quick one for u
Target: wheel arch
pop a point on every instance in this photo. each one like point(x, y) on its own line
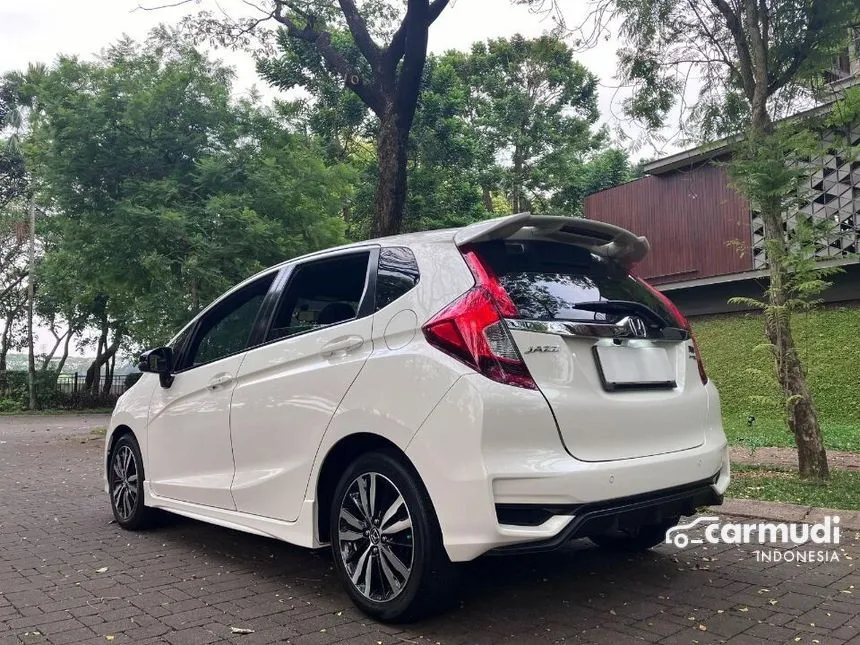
point(338, 458)
point(118, 432)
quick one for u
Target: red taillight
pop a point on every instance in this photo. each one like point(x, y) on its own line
point(472, 329)
point(485, 277)
point(682, 322)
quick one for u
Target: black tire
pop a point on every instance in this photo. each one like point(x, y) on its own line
point(125, 485)
point(392, 597)
point(641, 539)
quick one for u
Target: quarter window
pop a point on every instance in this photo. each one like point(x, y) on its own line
point(321, 293)
point(398, 274)
point(226, 329)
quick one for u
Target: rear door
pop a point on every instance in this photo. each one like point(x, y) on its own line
point(618, 372)
point(289, 388)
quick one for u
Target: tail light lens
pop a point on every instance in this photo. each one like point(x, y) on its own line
point(682, 322)
point(472, 329)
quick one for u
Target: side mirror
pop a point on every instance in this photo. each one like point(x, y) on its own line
point(158, 361)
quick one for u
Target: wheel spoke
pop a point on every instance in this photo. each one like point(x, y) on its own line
point(391, 512)
point(117, 468)
point(402, 525)
point(350, 536)
point(372, 495)
point(362, 561)
point(401, 568)
point(124, 503)
point(368, 575)
point(393, 582)
point(116, 493)
point(350, 519)
point(132, 479)
point(127, 457)
point(362, 493)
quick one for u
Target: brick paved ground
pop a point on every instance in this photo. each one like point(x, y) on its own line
point(189, 583)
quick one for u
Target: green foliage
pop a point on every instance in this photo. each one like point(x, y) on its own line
point(783, 485)
point(736, 361)
point(669, 42)
point(165, 191)
point(10, 406)
point(535, 106)
point(477, 111)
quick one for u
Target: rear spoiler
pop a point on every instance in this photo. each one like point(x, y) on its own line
point(601, 239)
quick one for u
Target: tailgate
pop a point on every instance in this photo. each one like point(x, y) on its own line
point(616, 365)
point(617, 401)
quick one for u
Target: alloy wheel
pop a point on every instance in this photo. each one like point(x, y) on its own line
point(125, 487)
point(375, 537)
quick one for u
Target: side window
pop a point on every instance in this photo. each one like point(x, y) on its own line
point(178, 344)
point(398, 273)
point(321, 293)
point(226, 329)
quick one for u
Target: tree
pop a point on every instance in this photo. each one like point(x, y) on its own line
point(535, 106)
point(451, 168)
point(385, 78)
point(755, 59)
point(13, 173)
point(162, 192)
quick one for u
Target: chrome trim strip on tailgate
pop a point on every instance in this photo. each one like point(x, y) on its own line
point(627, 327)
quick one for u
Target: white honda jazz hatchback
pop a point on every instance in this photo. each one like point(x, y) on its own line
point(422, 400)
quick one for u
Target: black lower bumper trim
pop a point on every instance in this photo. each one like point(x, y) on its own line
point(599, 518)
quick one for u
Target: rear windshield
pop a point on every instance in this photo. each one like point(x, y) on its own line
point(550, 280)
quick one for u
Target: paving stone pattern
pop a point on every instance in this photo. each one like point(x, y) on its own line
point(69, 575)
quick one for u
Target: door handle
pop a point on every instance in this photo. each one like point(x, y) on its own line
point(219, 381)
point(342, 345)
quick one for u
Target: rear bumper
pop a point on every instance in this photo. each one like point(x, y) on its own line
point(499, 477)
point(619, 514)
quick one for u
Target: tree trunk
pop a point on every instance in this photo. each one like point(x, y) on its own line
point(517, 190)
point(94, 370)
point(46, 362)
point(801, 415)
point(4, 350)
point(91, 382)
point(31, 295)
point(109, 366)
point(488, 198)
point(64, 357)
point(391, 187)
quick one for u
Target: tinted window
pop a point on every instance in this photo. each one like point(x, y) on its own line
point(398, 273)
point(321, 293)
point(178, 344)
point(549, 281)
point(226, 329)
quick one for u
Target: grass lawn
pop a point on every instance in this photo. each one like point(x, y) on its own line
point(781, 485)
point(742, 370)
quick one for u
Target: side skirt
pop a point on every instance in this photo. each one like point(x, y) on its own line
point(301, 532)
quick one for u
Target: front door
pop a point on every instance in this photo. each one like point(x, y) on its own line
point(289, 389)
point(190, 456)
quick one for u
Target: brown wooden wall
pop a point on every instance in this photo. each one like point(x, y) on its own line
point(688, 217)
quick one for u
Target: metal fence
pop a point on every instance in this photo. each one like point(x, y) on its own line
point(72, 383)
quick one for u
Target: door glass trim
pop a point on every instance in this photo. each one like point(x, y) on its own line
point(214, 308)
point(365, 305)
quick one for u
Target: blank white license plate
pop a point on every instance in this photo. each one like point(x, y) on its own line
point(624, 367)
